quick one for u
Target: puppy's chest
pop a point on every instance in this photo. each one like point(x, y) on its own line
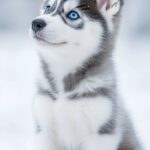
point(73, 120)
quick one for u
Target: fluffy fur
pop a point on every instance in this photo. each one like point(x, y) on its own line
point(77, 106)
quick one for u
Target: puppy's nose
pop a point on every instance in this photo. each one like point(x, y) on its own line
point(38, 24)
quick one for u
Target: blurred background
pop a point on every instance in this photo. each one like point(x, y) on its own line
point(18, 63)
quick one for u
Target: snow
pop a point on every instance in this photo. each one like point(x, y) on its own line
point(17, 69)
point(132, 63)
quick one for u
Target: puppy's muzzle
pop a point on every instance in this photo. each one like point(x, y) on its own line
point(38, 25)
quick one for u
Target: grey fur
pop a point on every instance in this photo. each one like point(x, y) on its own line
point(98, 64)
point(129, 139)
point(46, 92)
point(97, 92)
point(72, 80)
point(48, 76)
point(90, 67)
point(108, 128)
point(49, 9)
point(38, 129)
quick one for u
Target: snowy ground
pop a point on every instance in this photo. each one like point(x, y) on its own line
point(132, 63)
point(17, 68)
point(17, 80)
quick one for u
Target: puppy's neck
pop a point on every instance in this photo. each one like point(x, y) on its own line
point(69, 70)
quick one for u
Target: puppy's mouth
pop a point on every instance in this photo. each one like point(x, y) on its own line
point(45, 41)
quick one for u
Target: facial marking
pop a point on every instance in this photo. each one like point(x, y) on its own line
point(59, 20)
point(51, 6)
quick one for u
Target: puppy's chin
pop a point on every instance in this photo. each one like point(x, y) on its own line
point(42, 41)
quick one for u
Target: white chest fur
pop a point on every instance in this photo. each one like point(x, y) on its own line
point(70, 122)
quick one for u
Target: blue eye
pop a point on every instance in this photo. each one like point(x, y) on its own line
point(73, 15)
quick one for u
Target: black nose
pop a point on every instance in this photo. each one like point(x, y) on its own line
point(38, 24)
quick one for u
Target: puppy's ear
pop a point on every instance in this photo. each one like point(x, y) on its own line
point(109, 6)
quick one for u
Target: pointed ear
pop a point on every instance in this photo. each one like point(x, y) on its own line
point(110, 6)
point(101, 3)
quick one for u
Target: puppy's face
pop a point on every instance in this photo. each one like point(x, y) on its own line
point(82, 23)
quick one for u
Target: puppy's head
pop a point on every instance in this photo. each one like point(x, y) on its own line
point(82, 23)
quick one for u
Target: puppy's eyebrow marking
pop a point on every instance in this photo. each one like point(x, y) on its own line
point(52, 6)
point(49, 8)
point(56, 5)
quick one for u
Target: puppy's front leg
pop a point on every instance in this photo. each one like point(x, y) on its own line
point(43, 141)
point(45, 135)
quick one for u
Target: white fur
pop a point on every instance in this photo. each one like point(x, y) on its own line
point(65, 59)
point(67, 124)
point(68, 6)
point(74, 124)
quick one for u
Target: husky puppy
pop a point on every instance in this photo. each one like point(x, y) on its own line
point(77, 106)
